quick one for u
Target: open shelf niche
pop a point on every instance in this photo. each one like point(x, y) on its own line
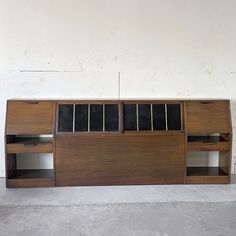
point(208, 156)
point(30, 160)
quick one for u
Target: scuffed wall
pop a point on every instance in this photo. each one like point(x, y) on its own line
point(76, 48)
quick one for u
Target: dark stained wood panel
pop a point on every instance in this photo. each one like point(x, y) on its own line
point(120, 159)
point(208, 117)
point(30, 117)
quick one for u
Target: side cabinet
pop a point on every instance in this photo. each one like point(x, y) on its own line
point(120, 159)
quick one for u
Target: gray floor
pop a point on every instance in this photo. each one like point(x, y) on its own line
point(163, 210)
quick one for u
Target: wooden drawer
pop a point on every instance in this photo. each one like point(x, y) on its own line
point(30, 148)
point(30, 117)
point(208, 116)
point(119, 159)
point(208, 146)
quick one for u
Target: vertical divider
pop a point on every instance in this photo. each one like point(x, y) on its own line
point(166, 117)
point(137, 117)
point(151, 118)
point(103, 117)
point(181, 116)
point(88, 117)
point(73, 118)
point(121, 117)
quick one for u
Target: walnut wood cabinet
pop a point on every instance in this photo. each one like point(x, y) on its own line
point(118, 142)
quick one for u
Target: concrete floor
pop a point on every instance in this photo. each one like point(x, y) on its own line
point(161, 210)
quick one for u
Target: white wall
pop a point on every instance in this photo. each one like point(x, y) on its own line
point(75, 49)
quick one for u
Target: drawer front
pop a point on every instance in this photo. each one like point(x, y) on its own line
point(208, 117)
point(119, 160)
point(30, 117)
point(30, 148)
point(208, 146)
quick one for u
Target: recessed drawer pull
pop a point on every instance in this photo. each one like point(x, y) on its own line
point(32, 102)
point(207, 102)
point(31, 144)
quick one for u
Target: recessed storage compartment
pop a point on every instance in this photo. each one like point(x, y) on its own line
point(111, 117)
point(130, 117)
point(159, 116)
point(96, 117)
point(30, 170)
point(152, 117)
point(144, 117)
point(205, 167)
point(173, 117)
point(66, 116)
point(81, 117)
point(88, 117)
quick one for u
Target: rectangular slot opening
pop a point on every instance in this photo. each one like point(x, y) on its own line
point(29, 139)
point(66, 113)
point(96, 117)
point(111, 117)
point(144, 116)
point(30, 166)
point(130, 117)
point(81, 117)
point(159, 117)
point(211, 163)
point(173, 117)
point(208, 137)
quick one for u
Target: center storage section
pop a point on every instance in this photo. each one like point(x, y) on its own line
point(119, 142)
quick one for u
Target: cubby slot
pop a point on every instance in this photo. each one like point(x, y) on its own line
point(111, 117)
point(173, 117)
point(206, 138)
point(81, 117)
point(207, 163)
point(33, 174)
point(130, 117)
point(144, 117)
point(32, 139)
point(88, 118)
point(96, 117)
point(30, 170)
point(159, 116)
point(66, 113)
point(205, 171)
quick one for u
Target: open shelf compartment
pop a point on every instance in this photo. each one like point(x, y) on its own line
point(28, 170)
point(208, 167)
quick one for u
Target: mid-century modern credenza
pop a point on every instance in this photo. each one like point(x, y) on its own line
point(117, 142)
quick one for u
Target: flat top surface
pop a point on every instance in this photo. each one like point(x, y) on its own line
point(121, 99)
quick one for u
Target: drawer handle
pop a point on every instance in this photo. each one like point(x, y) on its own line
point(32, 102)
point(207, 102)
point(30, 144)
